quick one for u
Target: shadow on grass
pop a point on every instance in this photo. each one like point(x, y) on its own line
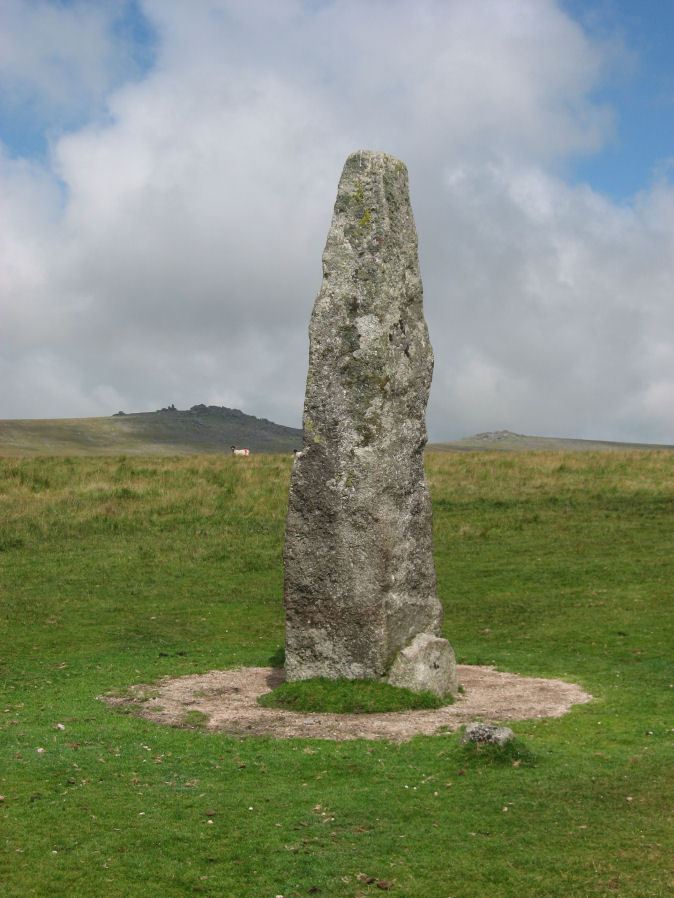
point(278, 658)
point(485, 754)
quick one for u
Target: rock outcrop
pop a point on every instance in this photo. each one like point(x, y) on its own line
point(359, 574)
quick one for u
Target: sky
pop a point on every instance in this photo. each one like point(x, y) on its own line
point(168, 171)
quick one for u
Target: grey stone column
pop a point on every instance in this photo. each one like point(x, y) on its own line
point(360, 593)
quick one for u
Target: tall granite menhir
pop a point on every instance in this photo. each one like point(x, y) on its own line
point(360, 593)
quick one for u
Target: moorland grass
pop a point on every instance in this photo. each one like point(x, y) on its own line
point(348, 697)
point(115, 572)
point(512, 753)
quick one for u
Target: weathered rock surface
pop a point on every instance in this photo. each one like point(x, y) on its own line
point(359, 575)
point(427, 664)
point(487, 733)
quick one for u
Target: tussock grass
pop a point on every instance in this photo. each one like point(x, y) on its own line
point(118, 571)
point(348, 697)
point(485, 754)
point(195, 719)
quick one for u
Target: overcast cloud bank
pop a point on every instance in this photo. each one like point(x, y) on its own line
point(168, 250)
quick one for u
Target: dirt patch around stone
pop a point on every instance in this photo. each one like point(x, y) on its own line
point(226, 701)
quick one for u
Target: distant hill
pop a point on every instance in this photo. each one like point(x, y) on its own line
point(506, 441)
point(212, 428)
point(168, 431)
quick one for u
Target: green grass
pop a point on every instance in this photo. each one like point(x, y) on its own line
point(116, 572)
point(195, 719)
point(348, 697)
point(514, 753)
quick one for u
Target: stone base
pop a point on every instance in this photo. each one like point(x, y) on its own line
point(427, 664)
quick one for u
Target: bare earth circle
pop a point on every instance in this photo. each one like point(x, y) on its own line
point(226, 700)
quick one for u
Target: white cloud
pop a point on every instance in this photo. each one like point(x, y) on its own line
point(177, 256)
point(566, 308)
point(58, 61)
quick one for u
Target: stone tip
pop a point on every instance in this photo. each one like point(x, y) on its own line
point(374, 156)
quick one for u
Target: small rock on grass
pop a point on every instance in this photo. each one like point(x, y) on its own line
point(487, 733)
point(384, 884)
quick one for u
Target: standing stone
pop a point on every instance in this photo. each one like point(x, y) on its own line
point(359, 574)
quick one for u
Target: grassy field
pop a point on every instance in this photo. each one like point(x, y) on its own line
point(116, 571)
